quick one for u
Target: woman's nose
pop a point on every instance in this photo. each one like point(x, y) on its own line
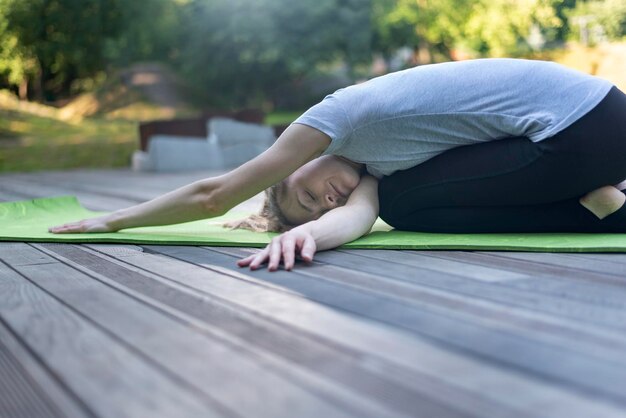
point(330, 200)
point(333, 201)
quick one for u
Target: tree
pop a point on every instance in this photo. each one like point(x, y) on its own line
point(429, 27)
point(16, 64)
point(436, 27)
point(501, 27)
point(53, 43)
point(63, 39)
point(151, 32)
point(599, 19)
point(241, 51)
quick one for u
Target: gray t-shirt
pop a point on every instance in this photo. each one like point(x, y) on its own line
point(402, 119)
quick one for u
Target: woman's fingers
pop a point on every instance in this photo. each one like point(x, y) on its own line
point(67, 228)
point(308, 249)
point(288, 252)
point(246, 261)
point(85, 225)
point(272, 254)
point(259, 258)
point(283, 248)
point(275, 254)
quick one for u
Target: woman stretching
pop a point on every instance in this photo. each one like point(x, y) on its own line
point(489, 145)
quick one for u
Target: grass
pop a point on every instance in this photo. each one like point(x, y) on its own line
point(29, 142)
point(282, 117)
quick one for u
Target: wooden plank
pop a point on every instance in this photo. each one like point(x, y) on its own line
point(500, 259)
point(89, 200)
point(155, 183)
point(125, 185)
point(26, 389)
point(524, 320)
point(148, 181)
point(510, 293)
point(270, 337)
point(380, 347)
point(579, 262)
point(18, 396)
point(6, 196)
point(14, 251)
point(484, 339)
point(96, 194)
point(222, 370)
point(605, 295)
point(121, 190)
point(590, 288)
point(548, 329)
point(88, 360)
point(340, 365)
point(425, 262)
point(607, 257)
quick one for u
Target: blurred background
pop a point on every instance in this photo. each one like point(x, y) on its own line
point(78, 76)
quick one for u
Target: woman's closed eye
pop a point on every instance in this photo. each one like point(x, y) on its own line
point(314, 200)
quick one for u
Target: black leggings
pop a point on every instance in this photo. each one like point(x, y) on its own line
point(514, 184)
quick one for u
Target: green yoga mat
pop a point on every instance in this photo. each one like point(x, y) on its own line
point(29, 220)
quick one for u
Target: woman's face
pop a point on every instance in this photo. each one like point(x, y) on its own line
point(317, 187)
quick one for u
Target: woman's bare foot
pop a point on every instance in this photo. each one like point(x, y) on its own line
point(603, 201)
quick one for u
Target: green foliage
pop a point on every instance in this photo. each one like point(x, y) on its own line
point(239, 51)
point(436, 24)
point(230, 51)
point(54, 43)
point(29, 142)
point(15, 61)
point(605, 18)
point(246, 52)
point(151, 32)
point(501, 27)
point(485, 27)
point(61, 40)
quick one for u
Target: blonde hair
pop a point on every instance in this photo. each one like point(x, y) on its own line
point(269, 219)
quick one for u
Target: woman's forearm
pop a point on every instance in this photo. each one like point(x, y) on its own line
point(349, 222)
point(342, 225)
point(185, 204)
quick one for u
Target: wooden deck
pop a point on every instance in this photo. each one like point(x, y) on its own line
point(168, 331)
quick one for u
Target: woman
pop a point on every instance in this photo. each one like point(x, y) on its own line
point(490, 145)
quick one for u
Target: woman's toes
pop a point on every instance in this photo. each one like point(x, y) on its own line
point(603, 201)
point(621, 186)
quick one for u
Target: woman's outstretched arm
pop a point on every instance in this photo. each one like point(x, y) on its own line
point(216, 195)
point(337, 227)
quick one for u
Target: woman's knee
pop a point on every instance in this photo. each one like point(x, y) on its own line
point(422, 220)
point(387, 198)
point(403, 212)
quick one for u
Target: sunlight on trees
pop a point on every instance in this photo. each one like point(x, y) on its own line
point(501, 27)
point(242, 52)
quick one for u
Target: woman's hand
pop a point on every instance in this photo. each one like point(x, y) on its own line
point(99, 224)
point(334, 228)
point(286, 246)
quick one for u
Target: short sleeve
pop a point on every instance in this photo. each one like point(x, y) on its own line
point(330, 117)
